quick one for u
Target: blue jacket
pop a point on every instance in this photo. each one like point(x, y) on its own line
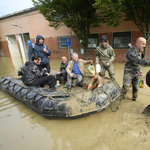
point(38, 50)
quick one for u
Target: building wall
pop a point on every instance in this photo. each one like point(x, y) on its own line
point(35, 24)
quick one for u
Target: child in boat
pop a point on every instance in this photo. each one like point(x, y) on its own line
point(96, 81)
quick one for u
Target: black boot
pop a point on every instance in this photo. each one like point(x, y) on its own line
point(69, 89)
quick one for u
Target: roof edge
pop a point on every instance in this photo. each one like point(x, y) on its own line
point(18, 13)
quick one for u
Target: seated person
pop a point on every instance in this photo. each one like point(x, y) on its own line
point(32, 76)
point(75, 69)
point(62, 72)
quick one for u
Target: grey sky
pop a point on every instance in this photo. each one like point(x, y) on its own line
point(11, 6)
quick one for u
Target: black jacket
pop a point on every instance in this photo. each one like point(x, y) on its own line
point(63, 67)
point(148, 78)
point(31, 73)
point(134, 60)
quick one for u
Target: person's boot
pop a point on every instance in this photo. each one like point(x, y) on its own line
point(134, 97)
point(69, 89)
point(123, 93)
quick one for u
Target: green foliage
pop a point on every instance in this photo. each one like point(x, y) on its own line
point(80, 15)
point(137, 11)
point(110, 10)
point(132, 10)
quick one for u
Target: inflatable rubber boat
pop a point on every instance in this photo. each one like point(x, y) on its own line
point(78, 102)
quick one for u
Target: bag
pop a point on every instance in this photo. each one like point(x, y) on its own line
point(148, 78)
point(91, 70)
point(141, 81)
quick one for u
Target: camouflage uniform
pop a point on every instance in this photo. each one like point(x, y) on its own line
point(133, 60)
point(105, 55)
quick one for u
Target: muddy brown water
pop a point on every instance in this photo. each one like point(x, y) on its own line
point(21, 128)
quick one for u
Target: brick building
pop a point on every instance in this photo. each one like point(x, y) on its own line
point(33, 23)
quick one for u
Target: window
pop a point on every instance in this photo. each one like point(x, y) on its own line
point(93, 41)
point(121, 40)
point(62, 42)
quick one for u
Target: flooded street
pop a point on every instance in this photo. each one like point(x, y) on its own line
point(21, 128)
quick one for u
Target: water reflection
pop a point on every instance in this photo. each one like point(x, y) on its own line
point(22, 128)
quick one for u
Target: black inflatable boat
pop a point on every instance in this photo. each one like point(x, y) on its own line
point(60, 103)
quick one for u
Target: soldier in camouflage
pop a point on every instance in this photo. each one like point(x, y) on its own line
point(105, 55)
point(133, 61)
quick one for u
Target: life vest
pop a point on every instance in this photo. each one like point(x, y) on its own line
point(95, 82)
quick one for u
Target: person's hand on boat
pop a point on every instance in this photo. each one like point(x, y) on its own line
point(58, 72)
point(47, 73)
point(71, 74)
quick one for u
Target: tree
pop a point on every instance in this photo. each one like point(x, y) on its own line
point(79, 15)
point(133, 10)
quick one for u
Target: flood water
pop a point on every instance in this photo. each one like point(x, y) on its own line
point(21, 128)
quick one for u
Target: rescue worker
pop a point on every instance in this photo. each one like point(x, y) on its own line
point(105, 55)
point(133, 60)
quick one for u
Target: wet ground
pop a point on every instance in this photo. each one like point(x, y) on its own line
point(21, 128)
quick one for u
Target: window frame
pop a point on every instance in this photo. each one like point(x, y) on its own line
point(121, 34)
point(62, 42)
point(94, 36)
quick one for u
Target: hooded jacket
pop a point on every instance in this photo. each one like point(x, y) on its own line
point(31, 73)
point(38, 50)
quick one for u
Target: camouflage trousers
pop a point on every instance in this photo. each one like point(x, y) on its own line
point(128, 79)
point(110, 69)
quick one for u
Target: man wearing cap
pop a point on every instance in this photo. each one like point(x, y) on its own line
point(105, 55)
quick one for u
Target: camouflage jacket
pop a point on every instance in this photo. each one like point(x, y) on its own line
point(105, 54)
point(31, 73)
point(134, 60)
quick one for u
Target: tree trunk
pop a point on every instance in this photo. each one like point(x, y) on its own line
point(85, 53)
